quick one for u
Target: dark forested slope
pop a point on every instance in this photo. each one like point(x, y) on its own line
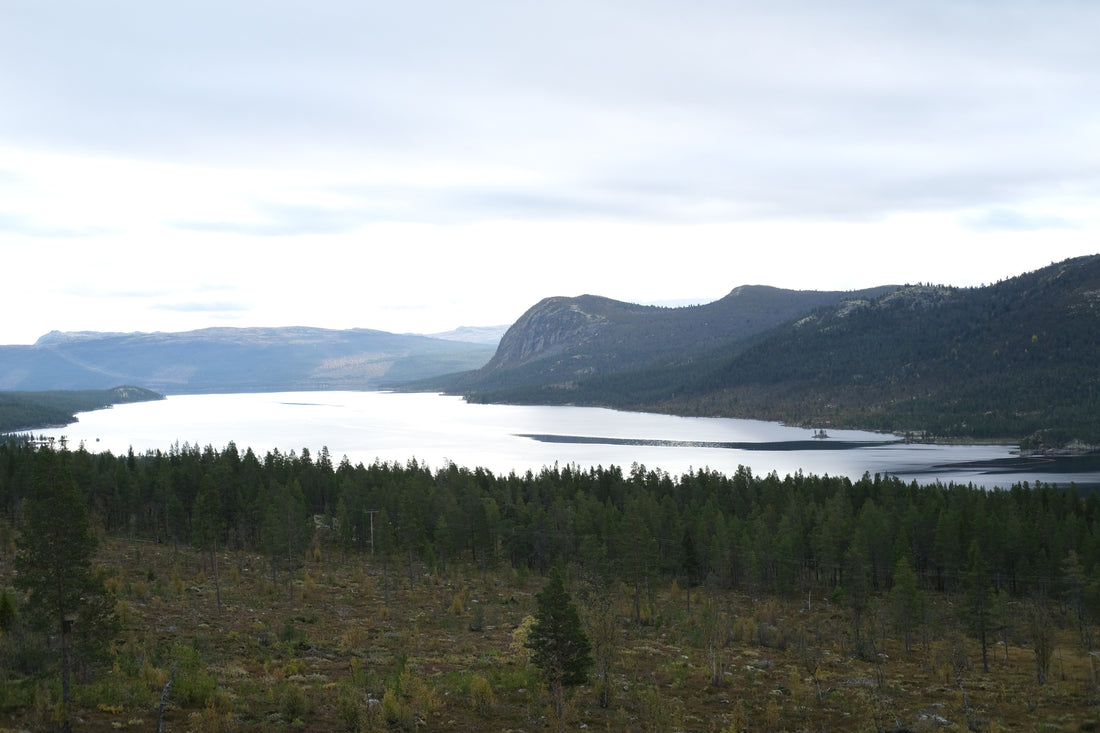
point(1009, 360)
point(1013, 359)
point(26, 410)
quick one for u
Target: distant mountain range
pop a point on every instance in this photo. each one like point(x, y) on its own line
point(489, 335)
point(236, 360)
point(1016, 360)
point(1019, 359)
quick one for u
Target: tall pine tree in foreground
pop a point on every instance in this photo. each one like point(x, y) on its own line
point(559, 647)
point(53, 567)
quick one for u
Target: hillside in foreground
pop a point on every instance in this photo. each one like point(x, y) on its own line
point(258, 593)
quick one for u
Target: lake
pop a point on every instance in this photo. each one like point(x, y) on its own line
point(436, 429)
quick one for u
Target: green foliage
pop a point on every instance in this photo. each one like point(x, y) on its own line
point(193, 685)
point(558, 644)
point(293, 703)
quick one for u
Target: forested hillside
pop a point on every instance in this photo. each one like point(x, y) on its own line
point(1014, 360)
point(25, 410)
point(562, 342)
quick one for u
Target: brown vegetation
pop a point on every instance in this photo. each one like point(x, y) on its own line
point(365, 647)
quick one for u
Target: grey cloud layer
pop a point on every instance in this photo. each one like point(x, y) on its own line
point(629, 110)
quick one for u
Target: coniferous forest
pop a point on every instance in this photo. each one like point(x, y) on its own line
point(322, 595)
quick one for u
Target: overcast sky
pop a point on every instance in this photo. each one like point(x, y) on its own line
point(416, 166)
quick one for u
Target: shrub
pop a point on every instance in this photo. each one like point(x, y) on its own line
point(519, 638)
point(458, 604)
point(477, 621)
point(292, 702)
point(349, 710)
point(193, 685)
point(481, 695)
point(395, 711)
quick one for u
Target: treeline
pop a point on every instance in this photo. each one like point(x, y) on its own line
point(794, 535)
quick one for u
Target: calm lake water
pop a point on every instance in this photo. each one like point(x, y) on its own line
point(436, 429)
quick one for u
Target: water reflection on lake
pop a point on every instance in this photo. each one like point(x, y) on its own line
point(435, 429)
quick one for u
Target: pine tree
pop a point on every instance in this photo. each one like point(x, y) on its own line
point(208, 525)
point(906, 600)
point(978, 603)
point(53, 566)
point(558, 644)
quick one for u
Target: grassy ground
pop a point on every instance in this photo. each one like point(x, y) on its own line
point(370, 646)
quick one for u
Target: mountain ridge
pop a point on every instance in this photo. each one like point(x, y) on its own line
point(550, 342)
point(1013, 360)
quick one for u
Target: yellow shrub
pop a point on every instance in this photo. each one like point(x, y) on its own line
point(177, 585)
point(153, 677)
point(771, 715)
point(396, 712)
point(481, 695)
point(458, 604)
point(519, 638)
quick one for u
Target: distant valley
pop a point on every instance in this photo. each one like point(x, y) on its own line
point(238, 359)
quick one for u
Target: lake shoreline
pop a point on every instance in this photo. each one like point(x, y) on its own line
point(435, 429)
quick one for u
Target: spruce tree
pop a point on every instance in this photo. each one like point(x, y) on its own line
point(558, 644)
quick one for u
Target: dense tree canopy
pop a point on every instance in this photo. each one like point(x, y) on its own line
point(785, 534)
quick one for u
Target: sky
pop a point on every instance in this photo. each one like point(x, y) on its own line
point(422, 165)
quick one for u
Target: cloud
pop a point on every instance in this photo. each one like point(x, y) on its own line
point(197, 307)
point(793, 109)
point(84, 290)
point(282, 220)
point(27, 226)
point(1017, 221)
point(156, 147)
